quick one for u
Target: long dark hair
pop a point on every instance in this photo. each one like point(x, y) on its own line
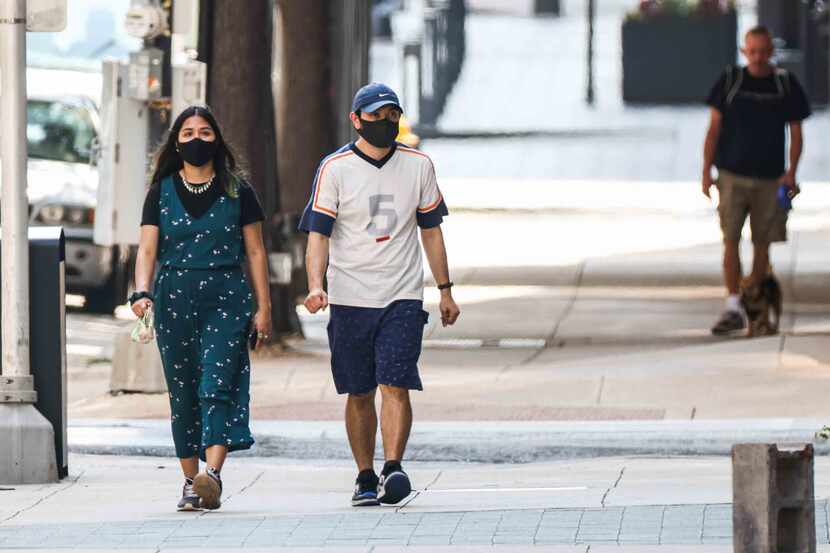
point(167, 160)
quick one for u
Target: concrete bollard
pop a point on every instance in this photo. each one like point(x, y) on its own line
point(773, 499)
point(136, 367)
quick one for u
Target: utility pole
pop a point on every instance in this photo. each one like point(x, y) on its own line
point(589, 95)
point(27, 448)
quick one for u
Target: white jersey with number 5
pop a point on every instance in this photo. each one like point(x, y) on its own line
point(371, 210)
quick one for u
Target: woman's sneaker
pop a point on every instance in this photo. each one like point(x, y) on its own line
point(394, 485)
point(366, 489)
point(189, 500)
point(208, 486)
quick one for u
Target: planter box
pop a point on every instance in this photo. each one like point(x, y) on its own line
point(676, 59)
point(546, 7)
point(783, 19)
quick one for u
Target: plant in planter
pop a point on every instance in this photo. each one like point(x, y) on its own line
point(681, 8)
point(673, 50)
point(715, 7)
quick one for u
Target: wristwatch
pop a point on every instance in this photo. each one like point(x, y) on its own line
point(135, 296)
point(445, 286)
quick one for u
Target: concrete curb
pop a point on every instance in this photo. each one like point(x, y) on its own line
point(484, 442)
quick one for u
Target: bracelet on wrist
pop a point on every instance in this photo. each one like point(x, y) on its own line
point(445, 286)
point(135, 296)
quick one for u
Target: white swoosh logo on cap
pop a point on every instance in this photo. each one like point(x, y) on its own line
point(382, 95)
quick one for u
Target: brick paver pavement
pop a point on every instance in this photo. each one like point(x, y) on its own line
point(645, 525)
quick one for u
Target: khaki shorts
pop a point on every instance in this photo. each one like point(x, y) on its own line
point(741, 196)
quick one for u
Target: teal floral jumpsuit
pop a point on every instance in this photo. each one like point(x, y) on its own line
point(203, 306)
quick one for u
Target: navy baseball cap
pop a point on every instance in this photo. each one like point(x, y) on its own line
point(374, 96)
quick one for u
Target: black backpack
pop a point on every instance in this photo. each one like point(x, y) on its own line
point(735, 77)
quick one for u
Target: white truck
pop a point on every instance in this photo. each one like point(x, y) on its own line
point(62, 131)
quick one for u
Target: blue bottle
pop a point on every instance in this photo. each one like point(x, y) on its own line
point(784, 199)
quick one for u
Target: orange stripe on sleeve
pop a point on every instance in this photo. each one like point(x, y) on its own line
point(440, 196)
point(416, 152)
point(429, 208)
point(316, 206)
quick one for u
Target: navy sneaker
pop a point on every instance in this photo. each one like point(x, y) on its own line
point(730, 321)
point(189, 500)
point(394, 485)
point(208, 486)
point(366, 490)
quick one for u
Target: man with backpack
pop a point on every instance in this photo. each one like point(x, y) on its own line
point(751, 109)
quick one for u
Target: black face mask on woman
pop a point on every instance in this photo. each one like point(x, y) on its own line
point(197, 152)
point(380, 134)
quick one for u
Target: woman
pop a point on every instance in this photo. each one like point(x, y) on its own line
point(200, 221)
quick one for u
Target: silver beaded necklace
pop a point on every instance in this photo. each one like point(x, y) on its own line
point(200, 188)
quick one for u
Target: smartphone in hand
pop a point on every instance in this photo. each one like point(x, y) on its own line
point(252, 338)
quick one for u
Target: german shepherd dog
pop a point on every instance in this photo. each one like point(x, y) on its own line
point(763, 304)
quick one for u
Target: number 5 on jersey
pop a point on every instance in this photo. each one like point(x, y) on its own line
point(382, 205)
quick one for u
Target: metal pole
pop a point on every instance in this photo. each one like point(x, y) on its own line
point(589, 96)
point(27, 455)
point(15, 208)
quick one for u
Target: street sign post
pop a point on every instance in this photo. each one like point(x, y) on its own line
point(28, 452)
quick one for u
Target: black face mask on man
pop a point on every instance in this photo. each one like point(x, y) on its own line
point(380, 134)
point(197, 152)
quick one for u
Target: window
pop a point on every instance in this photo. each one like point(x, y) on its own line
point(59, 131)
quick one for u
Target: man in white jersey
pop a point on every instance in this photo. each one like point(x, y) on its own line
point(367, 202)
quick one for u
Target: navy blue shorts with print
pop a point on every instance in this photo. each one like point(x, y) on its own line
point(372, 346)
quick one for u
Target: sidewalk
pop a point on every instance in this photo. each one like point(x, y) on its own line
point(630, 504)
point(623, 337)
point(609, 357)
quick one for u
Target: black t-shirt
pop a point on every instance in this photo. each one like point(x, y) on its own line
point(753, 130)
point(199, 204)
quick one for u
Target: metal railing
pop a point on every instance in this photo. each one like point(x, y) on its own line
point(431, 40)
